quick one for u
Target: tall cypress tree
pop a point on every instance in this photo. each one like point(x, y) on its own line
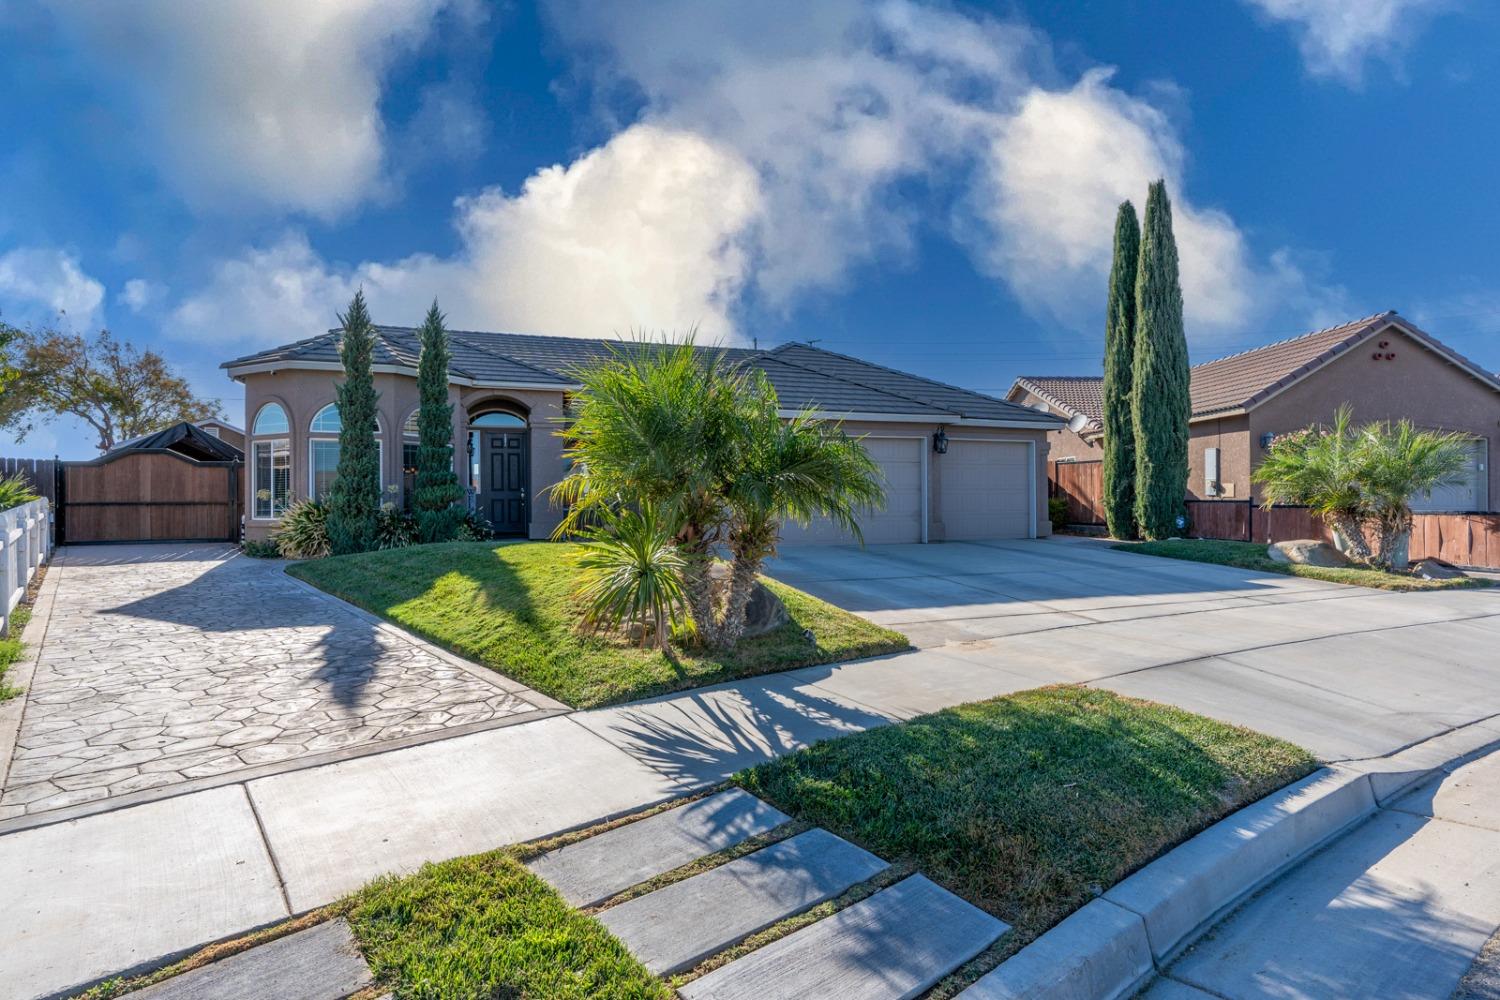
point(1161, 405)
point(1119, 358)
point(354, 498)
point(437, 489)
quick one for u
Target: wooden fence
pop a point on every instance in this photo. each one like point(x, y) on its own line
point(149, 496)
point(25, 544)
point(42, 472)
point(1082, 485)
point(1461, 539)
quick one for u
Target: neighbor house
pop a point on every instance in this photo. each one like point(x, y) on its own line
point(1382, 366)
point(224, 431)
point(957, 464)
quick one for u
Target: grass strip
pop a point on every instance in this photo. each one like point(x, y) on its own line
point(1252, 555)
point(1032, 804)
point(511, 606)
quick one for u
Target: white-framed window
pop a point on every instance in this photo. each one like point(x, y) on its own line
point(411, 447)
point(271, 420)
point(271, 477)
point(323, 450)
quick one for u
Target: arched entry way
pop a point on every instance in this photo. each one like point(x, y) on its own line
point(500, 468)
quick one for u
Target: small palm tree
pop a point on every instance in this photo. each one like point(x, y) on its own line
point(794, 470)
point(633, 573)
point(1400, 462)
point(1320, 467)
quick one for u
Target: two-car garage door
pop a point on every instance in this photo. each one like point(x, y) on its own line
point(983, 491)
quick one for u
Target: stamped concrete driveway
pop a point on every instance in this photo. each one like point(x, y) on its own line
point(1346, 672)
point(169, 664)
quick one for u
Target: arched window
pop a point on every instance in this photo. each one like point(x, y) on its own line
point(411, 446)
point(497, 419)
point(270, 463)
point(271, 420)
point(323, 450)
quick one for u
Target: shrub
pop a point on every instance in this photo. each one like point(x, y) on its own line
point(472, 527)
point(394, 528)
point(633, 573)
point(260, 548)
point(15, 490)
point(1057, 512)
point(303, 533)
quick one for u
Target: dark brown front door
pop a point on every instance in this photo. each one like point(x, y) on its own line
point(507, 473)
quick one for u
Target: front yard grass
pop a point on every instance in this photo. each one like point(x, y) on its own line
point(511, 607)
point(1031, 804)
point(1252, 555)
point(12, 648)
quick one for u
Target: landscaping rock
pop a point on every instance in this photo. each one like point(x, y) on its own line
point(1435, 569)
point(1307, 552)
point(765, 612)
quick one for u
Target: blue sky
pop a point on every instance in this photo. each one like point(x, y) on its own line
point(927, 185)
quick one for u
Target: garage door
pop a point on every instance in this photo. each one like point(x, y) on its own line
point(900, 461)
point(985, 490)
point(1467, 494)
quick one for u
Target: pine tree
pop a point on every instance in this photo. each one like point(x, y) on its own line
point(354, 498)
point(1159, 381)
point(437, 490)
point(1119, 358)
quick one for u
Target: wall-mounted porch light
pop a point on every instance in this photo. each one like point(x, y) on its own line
point(940, 441)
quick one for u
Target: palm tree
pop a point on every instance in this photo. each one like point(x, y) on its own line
point(1400, 462)
point(656, 424)
point(795, 470)
point(1320, 467)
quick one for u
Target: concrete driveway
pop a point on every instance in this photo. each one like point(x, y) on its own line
point(1346, 672)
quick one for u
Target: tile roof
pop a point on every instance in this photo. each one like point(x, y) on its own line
point(804, 376)
point(1240, 381)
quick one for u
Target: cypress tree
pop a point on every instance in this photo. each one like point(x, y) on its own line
point(437, 490)
point(354, 498)
point(1119, 358)
point(1159, 381)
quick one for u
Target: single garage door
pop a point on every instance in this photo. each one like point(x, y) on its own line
point(900, 461)
point(985, 490)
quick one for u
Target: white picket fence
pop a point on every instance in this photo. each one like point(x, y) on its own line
point(25, 545)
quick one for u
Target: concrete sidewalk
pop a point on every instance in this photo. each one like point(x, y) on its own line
point(1347, 673)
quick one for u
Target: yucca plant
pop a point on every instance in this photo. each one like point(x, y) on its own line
point(394, 528)
point(303, 532)
point(633, 573)
point(15, 489)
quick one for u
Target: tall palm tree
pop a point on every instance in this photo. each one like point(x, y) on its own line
point(794, 470)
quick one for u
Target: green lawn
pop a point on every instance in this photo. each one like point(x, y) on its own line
point(1030, 804)
point(511, 607)
point(484, 927)
point(1252, 555)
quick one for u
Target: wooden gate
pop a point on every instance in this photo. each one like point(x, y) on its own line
point(149, 496)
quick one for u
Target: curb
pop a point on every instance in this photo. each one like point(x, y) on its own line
point(1114, 945)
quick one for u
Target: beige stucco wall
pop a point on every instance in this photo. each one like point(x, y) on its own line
point(1416, 384)
point(303, 393)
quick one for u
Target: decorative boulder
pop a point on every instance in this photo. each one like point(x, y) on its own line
point(1307, 552)
point(1435, 569)
point(765, 612)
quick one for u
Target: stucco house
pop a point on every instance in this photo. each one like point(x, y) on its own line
point(957, 464)
point(1383, 366)
point(224, 431)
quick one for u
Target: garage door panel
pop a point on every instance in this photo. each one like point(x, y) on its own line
point(985, 490)
point(900, 461)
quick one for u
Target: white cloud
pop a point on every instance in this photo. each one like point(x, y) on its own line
point(275, 101)
point(1337, 37)
point(139, 293)
point(38, 283)
point(644, 232)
